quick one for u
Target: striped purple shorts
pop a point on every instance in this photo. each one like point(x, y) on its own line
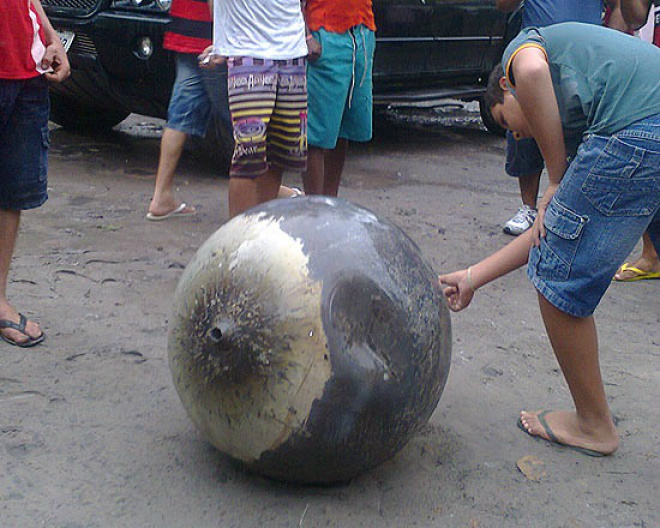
point(268, 106)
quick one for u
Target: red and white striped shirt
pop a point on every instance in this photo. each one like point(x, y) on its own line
point(21, 40)
point(191, 27)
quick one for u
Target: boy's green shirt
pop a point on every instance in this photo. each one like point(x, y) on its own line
point(604, 80)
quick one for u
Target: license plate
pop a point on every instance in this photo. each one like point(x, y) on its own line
point(66, 37)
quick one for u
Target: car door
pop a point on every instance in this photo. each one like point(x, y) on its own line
point(436, 41)
point(468, 35)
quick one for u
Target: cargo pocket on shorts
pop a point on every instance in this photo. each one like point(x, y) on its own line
point(554, 258)
point(43, 155)
point(619, 185)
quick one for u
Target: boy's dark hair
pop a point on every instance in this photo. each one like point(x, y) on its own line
point(494, 94)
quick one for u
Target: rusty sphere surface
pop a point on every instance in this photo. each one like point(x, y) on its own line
point(309, 339)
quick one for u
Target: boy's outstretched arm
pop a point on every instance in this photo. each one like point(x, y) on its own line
point(536, 96)
point(461, 285)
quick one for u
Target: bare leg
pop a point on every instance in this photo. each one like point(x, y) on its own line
point(334, 167)
point(529, 188)
point(575, 344)
point(324, 169)
point(9, 221)
point(647, 261)
point(171, 147)
point(248, 192)
point(315, 174)
point(648, 251)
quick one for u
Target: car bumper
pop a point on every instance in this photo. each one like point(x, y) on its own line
point(425, 97)
point(107, 70)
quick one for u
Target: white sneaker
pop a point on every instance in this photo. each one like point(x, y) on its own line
point(521, 221)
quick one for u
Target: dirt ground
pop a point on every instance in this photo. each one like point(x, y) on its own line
point(92, 433)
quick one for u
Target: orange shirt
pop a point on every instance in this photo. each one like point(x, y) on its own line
point(338, 16)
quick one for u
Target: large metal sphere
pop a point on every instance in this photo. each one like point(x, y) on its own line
point(309, 339)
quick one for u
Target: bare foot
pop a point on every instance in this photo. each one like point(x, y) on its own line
point(289, 192)
point(565, 428)
point(643, 264)
point(32, 329)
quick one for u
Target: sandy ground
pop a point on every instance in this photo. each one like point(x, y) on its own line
point(92, 433)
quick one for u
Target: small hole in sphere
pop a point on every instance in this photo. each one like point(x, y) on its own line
point(216, 335)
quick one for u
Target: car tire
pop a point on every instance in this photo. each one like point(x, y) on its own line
point(489, 121)
point(78, 117)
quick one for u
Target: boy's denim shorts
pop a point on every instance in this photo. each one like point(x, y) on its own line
point(197, 93)
point(608, 197)
point(24, 109)
point(523, 157)
point(340, 88)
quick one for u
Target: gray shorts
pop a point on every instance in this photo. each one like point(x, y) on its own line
point(196, 96)
point(523, 157)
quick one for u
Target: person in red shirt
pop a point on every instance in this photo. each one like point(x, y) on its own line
point(341, 38)
point(32, 55)
point(196, 94)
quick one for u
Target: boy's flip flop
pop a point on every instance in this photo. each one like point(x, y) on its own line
point(638, 274)
point(182, 210)
point(553, 439)
point(20, 326)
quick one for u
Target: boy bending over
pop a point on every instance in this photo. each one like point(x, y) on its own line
point(555, 83)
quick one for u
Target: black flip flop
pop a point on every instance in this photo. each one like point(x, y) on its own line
point(553, 439)
point(20, 326)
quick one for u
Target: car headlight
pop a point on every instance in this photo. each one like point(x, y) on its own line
point(144, 48)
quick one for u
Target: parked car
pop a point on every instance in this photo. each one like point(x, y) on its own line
point(426, 49)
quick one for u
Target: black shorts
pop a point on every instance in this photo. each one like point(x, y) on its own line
point(24, 109)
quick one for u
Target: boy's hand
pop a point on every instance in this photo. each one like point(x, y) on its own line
point(458, 291)
point(208, 59)
point(56, 62)
point(538, 229)
point(314, 50)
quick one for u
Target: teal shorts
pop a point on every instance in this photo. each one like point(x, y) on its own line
point(339, 88)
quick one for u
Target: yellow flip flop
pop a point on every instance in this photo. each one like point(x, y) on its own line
point(638, 274)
